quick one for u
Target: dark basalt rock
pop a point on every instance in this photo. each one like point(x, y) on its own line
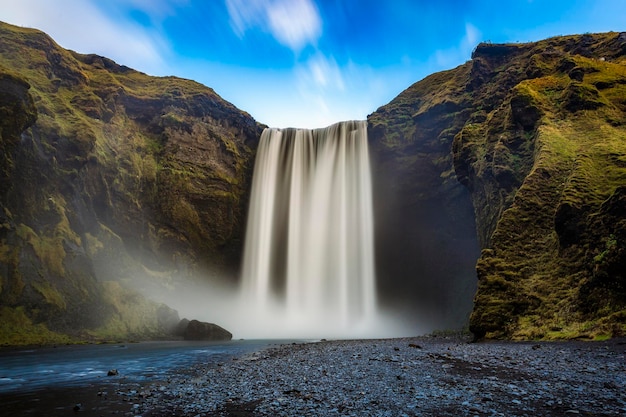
point(168, 319)
point(180, 328)
point(198, 330)
point(569, 224)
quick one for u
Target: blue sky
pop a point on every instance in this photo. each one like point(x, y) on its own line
point(304, 63)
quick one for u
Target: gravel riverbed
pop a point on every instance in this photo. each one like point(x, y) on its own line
point(423, 376)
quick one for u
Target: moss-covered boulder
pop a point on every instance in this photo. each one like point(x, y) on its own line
point(199, 330)
point(111, 177)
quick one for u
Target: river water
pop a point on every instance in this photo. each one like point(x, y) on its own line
point(53, 381)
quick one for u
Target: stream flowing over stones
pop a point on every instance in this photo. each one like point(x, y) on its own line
point(309, 242)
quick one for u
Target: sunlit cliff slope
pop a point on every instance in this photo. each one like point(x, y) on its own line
point(537, 133)
point(109, 179)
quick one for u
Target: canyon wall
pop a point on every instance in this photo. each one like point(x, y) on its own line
point(111, 180)
point(499, 189)
point(537, 134)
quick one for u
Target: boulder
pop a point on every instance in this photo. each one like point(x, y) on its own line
point(199, 330)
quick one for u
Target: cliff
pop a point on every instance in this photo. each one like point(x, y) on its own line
point(110, 179)
point(537, 134)
point(113, 181)
point(426, 245)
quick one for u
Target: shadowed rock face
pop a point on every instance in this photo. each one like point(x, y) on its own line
point(18, 113)
point(536, 133)
point(425, 233)
point(110, 177)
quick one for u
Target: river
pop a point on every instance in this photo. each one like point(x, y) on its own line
point(57, 380)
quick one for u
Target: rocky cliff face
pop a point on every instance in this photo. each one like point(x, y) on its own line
point(109, 176)
point(425, 232)
point(537, 134)
point(111, 179)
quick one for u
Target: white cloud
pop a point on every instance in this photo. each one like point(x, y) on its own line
point(81, 26)
point(326, 92)
point(244, 14)
point(320, 72)
point(293, 23)
point(471, 38)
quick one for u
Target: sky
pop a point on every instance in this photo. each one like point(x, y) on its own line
point(304, 63)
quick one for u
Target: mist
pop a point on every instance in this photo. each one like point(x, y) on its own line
point(291, 283)
point(227, 306)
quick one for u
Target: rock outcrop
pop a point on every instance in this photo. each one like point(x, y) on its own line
point(200, 330)
point(537, 133)
point(111, 179)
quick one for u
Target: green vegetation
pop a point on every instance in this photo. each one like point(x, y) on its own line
point(539, 139)
point(112, 164)
point(119, 174)
point(17, 329)
point(545, 236)
point(131, 317)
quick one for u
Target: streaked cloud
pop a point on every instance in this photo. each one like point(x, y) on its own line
point(82, 26)
point(293, 23)
point(321, 72)
point(306, 63)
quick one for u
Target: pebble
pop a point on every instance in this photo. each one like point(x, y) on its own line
point(437, 377)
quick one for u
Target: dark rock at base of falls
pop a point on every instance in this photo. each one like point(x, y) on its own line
point(199, 330)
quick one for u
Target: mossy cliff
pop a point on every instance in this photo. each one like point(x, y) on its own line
point(109, 176)
point(537, 134)
point(111, 179)
point(426, 246)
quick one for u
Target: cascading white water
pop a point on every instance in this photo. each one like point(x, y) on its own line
point(309, 253)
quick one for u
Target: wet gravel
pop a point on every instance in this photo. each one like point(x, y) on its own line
point(423, 376)
point(397, 377)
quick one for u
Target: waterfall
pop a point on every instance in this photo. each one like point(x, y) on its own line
point(308, 252)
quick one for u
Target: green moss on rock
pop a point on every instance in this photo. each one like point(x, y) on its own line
point(536, 132)
point(95, 191)
point(541, 232)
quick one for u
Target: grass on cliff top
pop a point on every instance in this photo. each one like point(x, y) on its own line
point(397, 118)
point(27, 52)
point(70, 108)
